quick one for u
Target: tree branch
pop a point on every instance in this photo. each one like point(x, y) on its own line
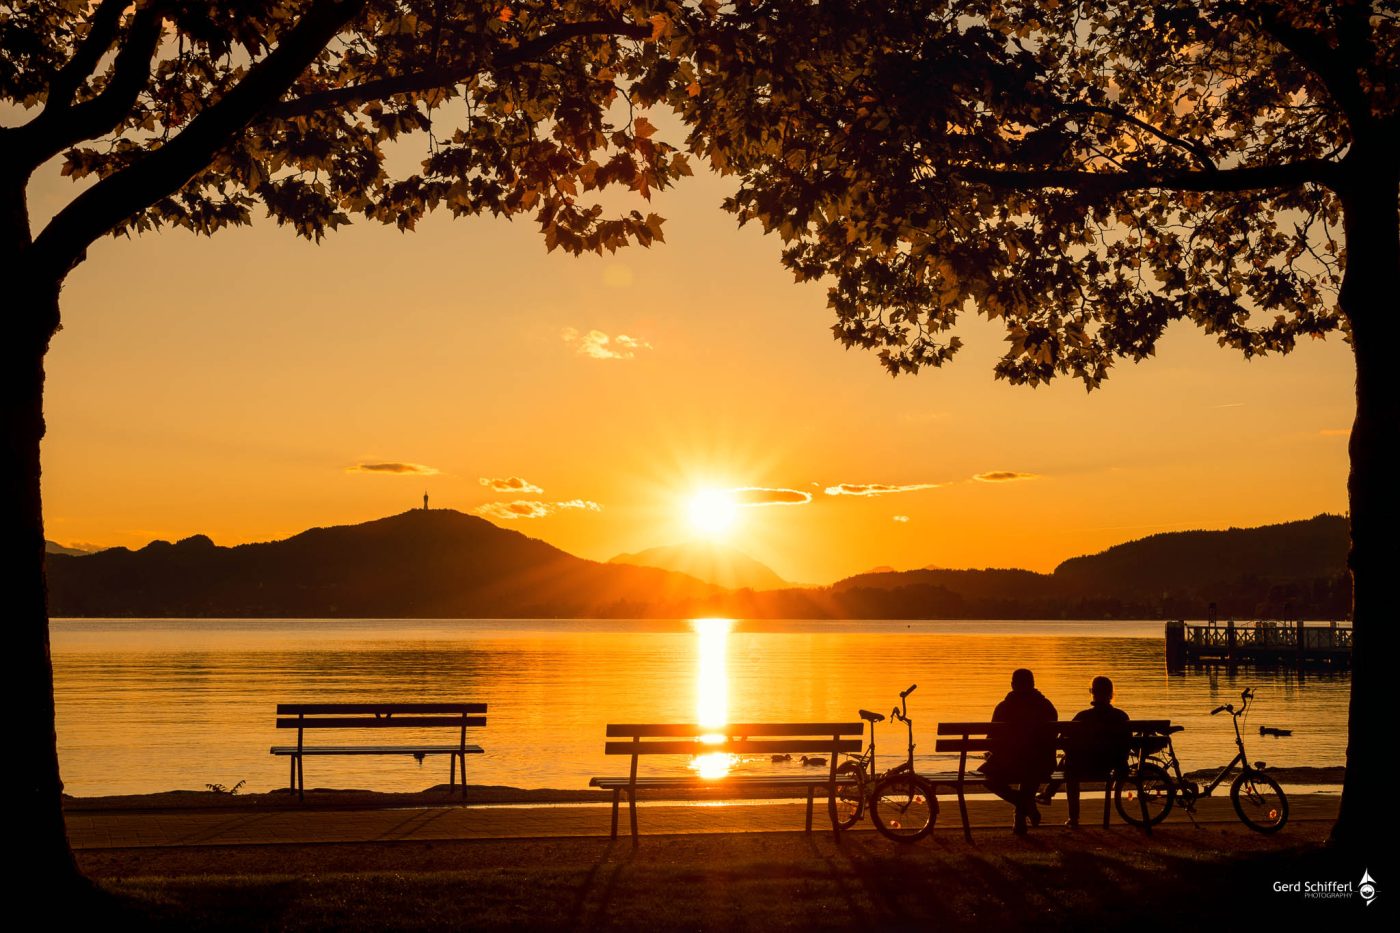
point(1331, 66)
point(1117, 113)
point(102, 30)
point(1249, 178)
point(165, 170)
point(61, 124)
point(449, 75)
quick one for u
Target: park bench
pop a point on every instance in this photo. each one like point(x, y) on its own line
point(421, 716)
point(973, 738)
point(829, 740)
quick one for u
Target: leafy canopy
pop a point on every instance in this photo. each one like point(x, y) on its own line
point(1087, 171)
point(195, 115)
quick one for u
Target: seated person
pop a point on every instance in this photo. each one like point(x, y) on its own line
point(1096, 749)
point(1023, 755)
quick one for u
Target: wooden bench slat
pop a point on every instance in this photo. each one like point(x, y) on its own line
point(750, 747)
point(387, 722)
point(664, 729)
point(376, 750)
point(318, 709)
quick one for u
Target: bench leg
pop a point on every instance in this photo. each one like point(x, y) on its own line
point(1107, 798)
point(291, 773)
point(617, 796)
point(809, 808)
point(962, 809)
point(1142, 802)
point(463, 757)
point(301, 779)
point(632, 810)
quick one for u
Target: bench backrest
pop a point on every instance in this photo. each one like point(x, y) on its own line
point(302, 716)
point(966, 738)
point(745, 738)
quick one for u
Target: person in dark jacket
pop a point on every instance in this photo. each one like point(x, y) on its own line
point(1023, 753)
point(1095, 749)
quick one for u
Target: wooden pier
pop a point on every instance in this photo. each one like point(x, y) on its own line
point(1260, 644)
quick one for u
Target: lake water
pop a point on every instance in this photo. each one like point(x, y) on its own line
point(153, 705)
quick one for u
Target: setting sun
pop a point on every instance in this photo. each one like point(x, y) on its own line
point(712, 512)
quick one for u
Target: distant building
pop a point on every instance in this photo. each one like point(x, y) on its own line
point(425, 502)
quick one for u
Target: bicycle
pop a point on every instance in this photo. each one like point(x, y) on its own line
point(902, 804)
point(1156, 783)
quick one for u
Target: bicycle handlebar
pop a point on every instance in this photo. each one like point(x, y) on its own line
point(1221, 709)
point(912, 688)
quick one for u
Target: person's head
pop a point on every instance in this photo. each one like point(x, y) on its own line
point(1101, 689)
point(1022, 679)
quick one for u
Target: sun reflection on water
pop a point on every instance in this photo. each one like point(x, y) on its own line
point(712, 694)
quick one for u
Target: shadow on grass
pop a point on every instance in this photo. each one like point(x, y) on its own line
point(767, 881)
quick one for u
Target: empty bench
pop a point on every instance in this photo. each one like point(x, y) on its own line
point(304, 717)
point(759, 741)
point(973, 738)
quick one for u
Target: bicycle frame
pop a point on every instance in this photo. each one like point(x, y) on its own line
point(1189, 791)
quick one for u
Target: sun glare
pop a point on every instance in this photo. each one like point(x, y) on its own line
point(712, 512)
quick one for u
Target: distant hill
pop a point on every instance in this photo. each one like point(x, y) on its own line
point(1291, 568)
point(53, 547)
point(424, 563)
point(443, 564)
point(709, 561)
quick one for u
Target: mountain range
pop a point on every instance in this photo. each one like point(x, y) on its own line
point(444, 564)
point(709, 561)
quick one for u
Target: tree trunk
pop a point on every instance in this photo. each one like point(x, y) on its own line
point(43, 840)
point(1368, 301)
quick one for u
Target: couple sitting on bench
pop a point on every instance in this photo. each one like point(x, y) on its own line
point(1023, 755)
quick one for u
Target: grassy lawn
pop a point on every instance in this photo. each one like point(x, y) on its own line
point(1181, 878)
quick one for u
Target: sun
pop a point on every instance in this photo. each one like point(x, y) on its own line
point(712, 512)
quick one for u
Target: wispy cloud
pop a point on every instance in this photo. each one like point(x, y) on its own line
point(876, 489)
point(599, 346)
point(526, 508)
point(756, 495)
point(902, 519)
point(513, 484)
point(1004, 476)
point(393, 468)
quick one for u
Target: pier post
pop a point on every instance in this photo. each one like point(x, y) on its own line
point(1230, 642)
point(1176, 645)
point(1302, 646)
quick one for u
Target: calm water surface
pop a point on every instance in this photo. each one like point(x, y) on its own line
point(153, 705)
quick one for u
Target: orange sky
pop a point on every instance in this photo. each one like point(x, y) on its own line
point(226, 387)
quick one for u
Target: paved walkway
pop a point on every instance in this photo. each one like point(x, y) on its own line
point(98, 829)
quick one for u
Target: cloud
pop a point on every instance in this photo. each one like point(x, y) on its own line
point(526, 508)
point(393, 468)
point(876, 489)
point(1004, 476)
point(511, 484)
point(754, 495)
point(599, 346)
point(902, 519)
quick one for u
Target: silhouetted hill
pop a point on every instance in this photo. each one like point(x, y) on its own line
point(53, 547)
point(1295, 568)
point(709, 561)
point(424, 563)
point(443, 564)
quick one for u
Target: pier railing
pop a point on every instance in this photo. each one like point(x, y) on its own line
point(1263, 642)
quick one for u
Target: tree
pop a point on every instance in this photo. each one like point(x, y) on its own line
point(191, 114)
point(1087, 172)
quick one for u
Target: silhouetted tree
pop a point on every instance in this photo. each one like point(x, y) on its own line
point(193, 114)
point(1087, 172)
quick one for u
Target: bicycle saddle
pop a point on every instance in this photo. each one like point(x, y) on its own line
point(872, 717)
point(1173, 730)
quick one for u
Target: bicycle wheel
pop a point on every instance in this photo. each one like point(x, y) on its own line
point(903, 807)
point(1260, 803)
point(1149, 785)
point(847, 802)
